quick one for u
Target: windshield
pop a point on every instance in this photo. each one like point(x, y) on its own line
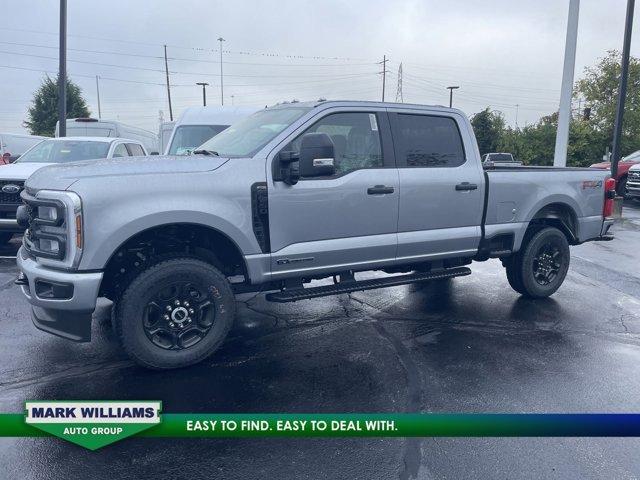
point(632, 157)
point(187, 137)
point(245, 138)
point(62, 151)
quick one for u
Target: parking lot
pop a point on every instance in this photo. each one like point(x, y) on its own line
point(466, 345)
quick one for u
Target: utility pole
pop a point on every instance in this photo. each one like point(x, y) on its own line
point(62, 72)
point(220, 39)
point(166, 71)
point(564, 114)
point(622, 91)
point(384, 73)
point(517, 108)
point(451, 89)
point(98, 92)
point(204, 92)
point(399, 97)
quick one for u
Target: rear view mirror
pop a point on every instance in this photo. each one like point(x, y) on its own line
point(316, 155)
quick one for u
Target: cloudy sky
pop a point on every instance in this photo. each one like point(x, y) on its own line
point(502, 53)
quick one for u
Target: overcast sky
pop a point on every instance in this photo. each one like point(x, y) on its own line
point(500, 52)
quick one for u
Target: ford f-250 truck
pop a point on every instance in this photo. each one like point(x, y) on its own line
point(290, 194)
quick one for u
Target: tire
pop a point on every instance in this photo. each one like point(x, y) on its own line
point(621, 188)
point(543, 263)
point(5, 237)
point(175, 313)
point(514, 276)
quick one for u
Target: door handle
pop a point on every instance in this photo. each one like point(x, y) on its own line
point(380, 190)
point(465, 186)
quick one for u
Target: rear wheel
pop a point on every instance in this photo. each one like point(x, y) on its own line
point(542, 264)
point(175, 313)
point(514, 275)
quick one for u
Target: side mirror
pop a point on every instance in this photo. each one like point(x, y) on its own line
point(316, 155)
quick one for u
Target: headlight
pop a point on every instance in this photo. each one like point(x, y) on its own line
point(49, 214)
point(54, 235)
point(49, 245)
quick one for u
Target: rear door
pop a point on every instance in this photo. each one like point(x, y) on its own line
point(348, 220)
point(441, 185)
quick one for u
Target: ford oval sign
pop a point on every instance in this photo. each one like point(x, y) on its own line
point(10, 188)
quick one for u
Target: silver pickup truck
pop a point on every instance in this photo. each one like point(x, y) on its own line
point(290, 194)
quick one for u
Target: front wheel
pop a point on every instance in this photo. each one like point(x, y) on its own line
point(174, 314)
point(541, 266)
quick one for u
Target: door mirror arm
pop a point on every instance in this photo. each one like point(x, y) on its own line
point(289, 163)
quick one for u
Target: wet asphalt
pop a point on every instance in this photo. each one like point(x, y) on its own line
point(466, 345)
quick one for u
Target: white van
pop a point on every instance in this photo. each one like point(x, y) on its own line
point(164, 134)
point(92, 127)
point(196, 125)
point(12, 145)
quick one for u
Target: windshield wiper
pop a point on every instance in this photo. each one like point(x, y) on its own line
point(206, 152)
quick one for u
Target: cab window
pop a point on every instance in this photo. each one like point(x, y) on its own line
point(356, 140)
point(120, 151)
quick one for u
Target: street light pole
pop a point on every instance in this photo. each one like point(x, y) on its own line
point(451, 89)
point(204, 92)
point(622, 91)
point(566, 91)
point(62, 72)
point(98, 92)
point(220, 39)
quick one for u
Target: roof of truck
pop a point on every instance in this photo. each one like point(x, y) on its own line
point(365, 103)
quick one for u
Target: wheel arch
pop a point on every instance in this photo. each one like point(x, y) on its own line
point(559, 215)
point(151, 244)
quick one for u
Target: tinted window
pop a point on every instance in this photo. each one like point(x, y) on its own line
point(120, 151)
point(60, 151)
point(429, 141)
point(188, 137)
point(135, 150)
point(356, 140)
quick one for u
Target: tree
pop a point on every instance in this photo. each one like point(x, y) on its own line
point(43, 113)
point(488, 127)
point(599, 88)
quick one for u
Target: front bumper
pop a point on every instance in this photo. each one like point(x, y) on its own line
point(68, 317)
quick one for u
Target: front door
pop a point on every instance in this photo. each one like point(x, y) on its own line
point(345, 221)
point(441, 186)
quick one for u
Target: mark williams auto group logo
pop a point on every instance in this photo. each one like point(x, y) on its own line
point(93, 424)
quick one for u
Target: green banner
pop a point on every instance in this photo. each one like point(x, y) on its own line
point(100, 425)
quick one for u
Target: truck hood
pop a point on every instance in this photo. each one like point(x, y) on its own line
point(20, 171)
point(62, 176)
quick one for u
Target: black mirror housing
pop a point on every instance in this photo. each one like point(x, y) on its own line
point(317, 155)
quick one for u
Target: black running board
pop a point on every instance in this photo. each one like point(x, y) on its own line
point(295, 294)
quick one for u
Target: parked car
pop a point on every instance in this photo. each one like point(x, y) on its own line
point(48, 152)
point(499, 159)
point(92, 127)
point(633, 182)
point(290, 194)
point(623, 168)
point(164, 134)
point(12, 145)
point(196, 125)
